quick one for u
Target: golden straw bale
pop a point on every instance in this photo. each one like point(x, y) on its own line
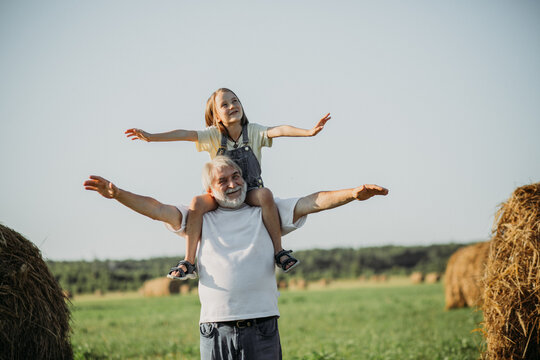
point(160, 287)
point(34, 313)
point(416, 277)
point(282, 285)
point(380, 278)
point(297, 284)
point(301, 284)
point(184, 289)
point(67, 294)
point(324, 282)
point(512, 282)
point(463, 277)
point(432, 278)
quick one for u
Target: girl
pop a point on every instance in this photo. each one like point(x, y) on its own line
point(229, 133)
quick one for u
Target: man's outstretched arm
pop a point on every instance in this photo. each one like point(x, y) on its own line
point(144, 205)
point(324, 200)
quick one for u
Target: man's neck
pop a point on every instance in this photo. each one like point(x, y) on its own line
point(241, 206)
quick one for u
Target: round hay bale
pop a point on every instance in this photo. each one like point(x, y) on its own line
point(184, 289)
point(301, 284)
point(67, 294)
point(297, 284)
point(416, 277)
point(512, 282)
point(324, 282)
point(463, 277)
point(160, 287)
point(432, 278)
point(34, 312)
point(282, 284)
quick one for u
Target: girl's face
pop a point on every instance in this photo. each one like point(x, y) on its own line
point(228, 108)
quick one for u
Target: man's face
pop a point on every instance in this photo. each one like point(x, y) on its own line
point(228, 187)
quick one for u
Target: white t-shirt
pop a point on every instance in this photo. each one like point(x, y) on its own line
point(236, 262)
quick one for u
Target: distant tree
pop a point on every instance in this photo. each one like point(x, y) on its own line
point(124, 275)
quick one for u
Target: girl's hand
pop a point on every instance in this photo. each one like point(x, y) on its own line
point(320, 125)
point(103, 186)
point(137, 134)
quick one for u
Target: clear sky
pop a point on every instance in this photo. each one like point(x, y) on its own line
point(437, 100)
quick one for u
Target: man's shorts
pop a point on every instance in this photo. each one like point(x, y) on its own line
point(241, 340)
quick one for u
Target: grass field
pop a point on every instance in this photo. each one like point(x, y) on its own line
point(369, 322)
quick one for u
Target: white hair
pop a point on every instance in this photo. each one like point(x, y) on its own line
point(218, 162)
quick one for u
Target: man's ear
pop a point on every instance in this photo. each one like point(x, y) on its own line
point(209, 191)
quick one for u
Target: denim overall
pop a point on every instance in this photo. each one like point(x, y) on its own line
point(245, 158)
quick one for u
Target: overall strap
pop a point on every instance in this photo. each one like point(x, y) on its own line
point(223, 146)
point(245, 137)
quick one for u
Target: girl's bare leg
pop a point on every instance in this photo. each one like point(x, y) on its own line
point(264, 198)
point(200, 205)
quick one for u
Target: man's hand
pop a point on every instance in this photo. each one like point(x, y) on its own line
point(364, 192)
point(320, 125)
point(103, 186)
point(325, 200)
point(137, 134)
point(144, 205)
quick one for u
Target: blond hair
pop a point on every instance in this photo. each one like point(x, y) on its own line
point(210, 112)
point(218, 162)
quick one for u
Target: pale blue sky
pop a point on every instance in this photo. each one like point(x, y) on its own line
point(438, 101)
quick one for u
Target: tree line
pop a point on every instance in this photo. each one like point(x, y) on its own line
point(127, 275)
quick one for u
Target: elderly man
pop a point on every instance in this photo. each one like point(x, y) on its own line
point(237, 285)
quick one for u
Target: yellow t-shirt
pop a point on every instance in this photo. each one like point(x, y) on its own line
point(209, 140)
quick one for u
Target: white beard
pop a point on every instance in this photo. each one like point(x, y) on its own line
point(223, 201)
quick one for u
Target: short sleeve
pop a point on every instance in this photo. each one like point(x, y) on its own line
point(259, 136)
point(286, 213)
point(182, 231)
point(208, 140)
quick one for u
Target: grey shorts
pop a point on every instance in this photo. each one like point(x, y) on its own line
point(256, 339)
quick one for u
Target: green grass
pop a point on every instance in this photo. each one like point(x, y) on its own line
point(389, 322)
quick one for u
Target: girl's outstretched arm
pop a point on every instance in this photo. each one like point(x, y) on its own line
point(287, 130)
point(175, 135)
